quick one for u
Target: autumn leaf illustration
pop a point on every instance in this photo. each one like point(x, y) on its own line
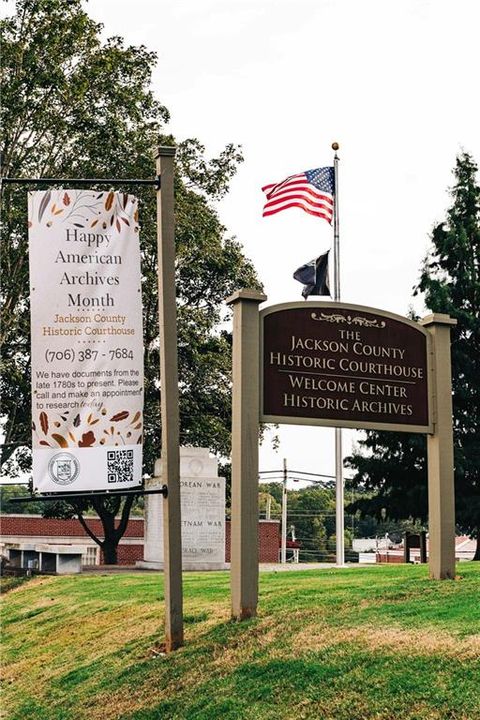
point(118, 225)
point(76, 421)
point(44, 442)
point(60, 440)
point(66, 199)
point(44, 204)
point(135, 417)
point(44, 422)
point(119, 416)
point(125, 221)
point(72, 438)
point(109, 201)
point(87, 440)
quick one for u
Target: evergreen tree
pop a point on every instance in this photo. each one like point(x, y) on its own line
point(450, 281)
point(395, 464)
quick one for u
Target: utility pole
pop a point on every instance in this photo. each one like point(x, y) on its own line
point(283, 556)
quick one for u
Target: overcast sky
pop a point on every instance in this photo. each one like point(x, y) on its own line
point(395, 83)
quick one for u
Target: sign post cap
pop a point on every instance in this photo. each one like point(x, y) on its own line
point(437, 319)
point(165, 151)
point(246, 294)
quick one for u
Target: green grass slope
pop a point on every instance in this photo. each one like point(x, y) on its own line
point(378, 643)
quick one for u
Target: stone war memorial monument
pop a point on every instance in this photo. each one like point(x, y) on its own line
point(202, 502)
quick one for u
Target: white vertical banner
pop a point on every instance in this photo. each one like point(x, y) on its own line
point(87, 340)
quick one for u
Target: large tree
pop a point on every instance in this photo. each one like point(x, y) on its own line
point(394, 465)
point(74, 106)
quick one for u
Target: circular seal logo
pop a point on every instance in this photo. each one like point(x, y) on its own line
point(63, 468)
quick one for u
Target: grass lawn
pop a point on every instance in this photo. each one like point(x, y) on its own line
point(374, 643)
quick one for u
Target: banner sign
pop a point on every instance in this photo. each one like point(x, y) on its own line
point(345, 366)
point(87, 341)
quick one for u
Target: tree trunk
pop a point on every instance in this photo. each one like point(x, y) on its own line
point(110, 542)
point(109, 547)
point(477, 551)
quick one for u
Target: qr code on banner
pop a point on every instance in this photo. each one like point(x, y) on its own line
point(119, 466)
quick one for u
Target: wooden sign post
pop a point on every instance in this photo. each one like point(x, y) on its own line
point(441, 492)
point(245, 424)
point(172, 539)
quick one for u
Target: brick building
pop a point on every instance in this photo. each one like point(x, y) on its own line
point(17, 528)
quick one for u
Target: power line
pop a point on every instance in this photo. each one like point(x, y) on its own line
point(297, 472)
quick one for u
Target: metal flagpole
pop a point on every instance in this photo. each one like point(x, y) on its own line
point(339, 494)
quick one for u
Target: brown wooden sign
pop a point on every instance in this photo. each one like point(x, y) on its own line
point(345, 366)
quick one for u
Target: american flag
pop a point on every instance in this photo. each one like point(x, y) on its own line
point(311, 190)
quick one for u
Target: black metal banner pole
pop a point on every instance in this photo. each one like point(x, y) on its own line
point(72, 496)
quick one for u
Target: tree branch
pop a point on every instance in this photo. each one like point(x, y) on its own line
point(127, 506)
point(86, 528)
